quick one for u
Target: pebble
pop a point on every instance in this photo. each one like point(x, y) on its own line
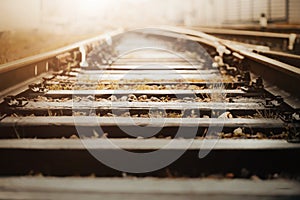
point(238, 132)
point(226, 115)
point(155, 99)
point(112, 98)
point(255, 178)
point(229, 175)
point(74, 137)
point(143, 98)
point(132, 97)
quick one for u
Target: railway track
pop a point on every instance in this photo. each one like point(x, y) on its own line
point(223, 111)
point(287, 42)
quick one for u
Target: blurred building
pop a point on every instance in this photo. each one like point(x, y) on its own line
point(86, 15)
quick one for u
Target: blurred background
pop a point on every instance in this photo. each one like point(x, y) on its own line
point(33, 26)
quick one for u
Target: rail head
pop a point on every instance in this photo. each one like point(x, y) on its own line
point(43, 56)
point(280, 66)
point(244, 33)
